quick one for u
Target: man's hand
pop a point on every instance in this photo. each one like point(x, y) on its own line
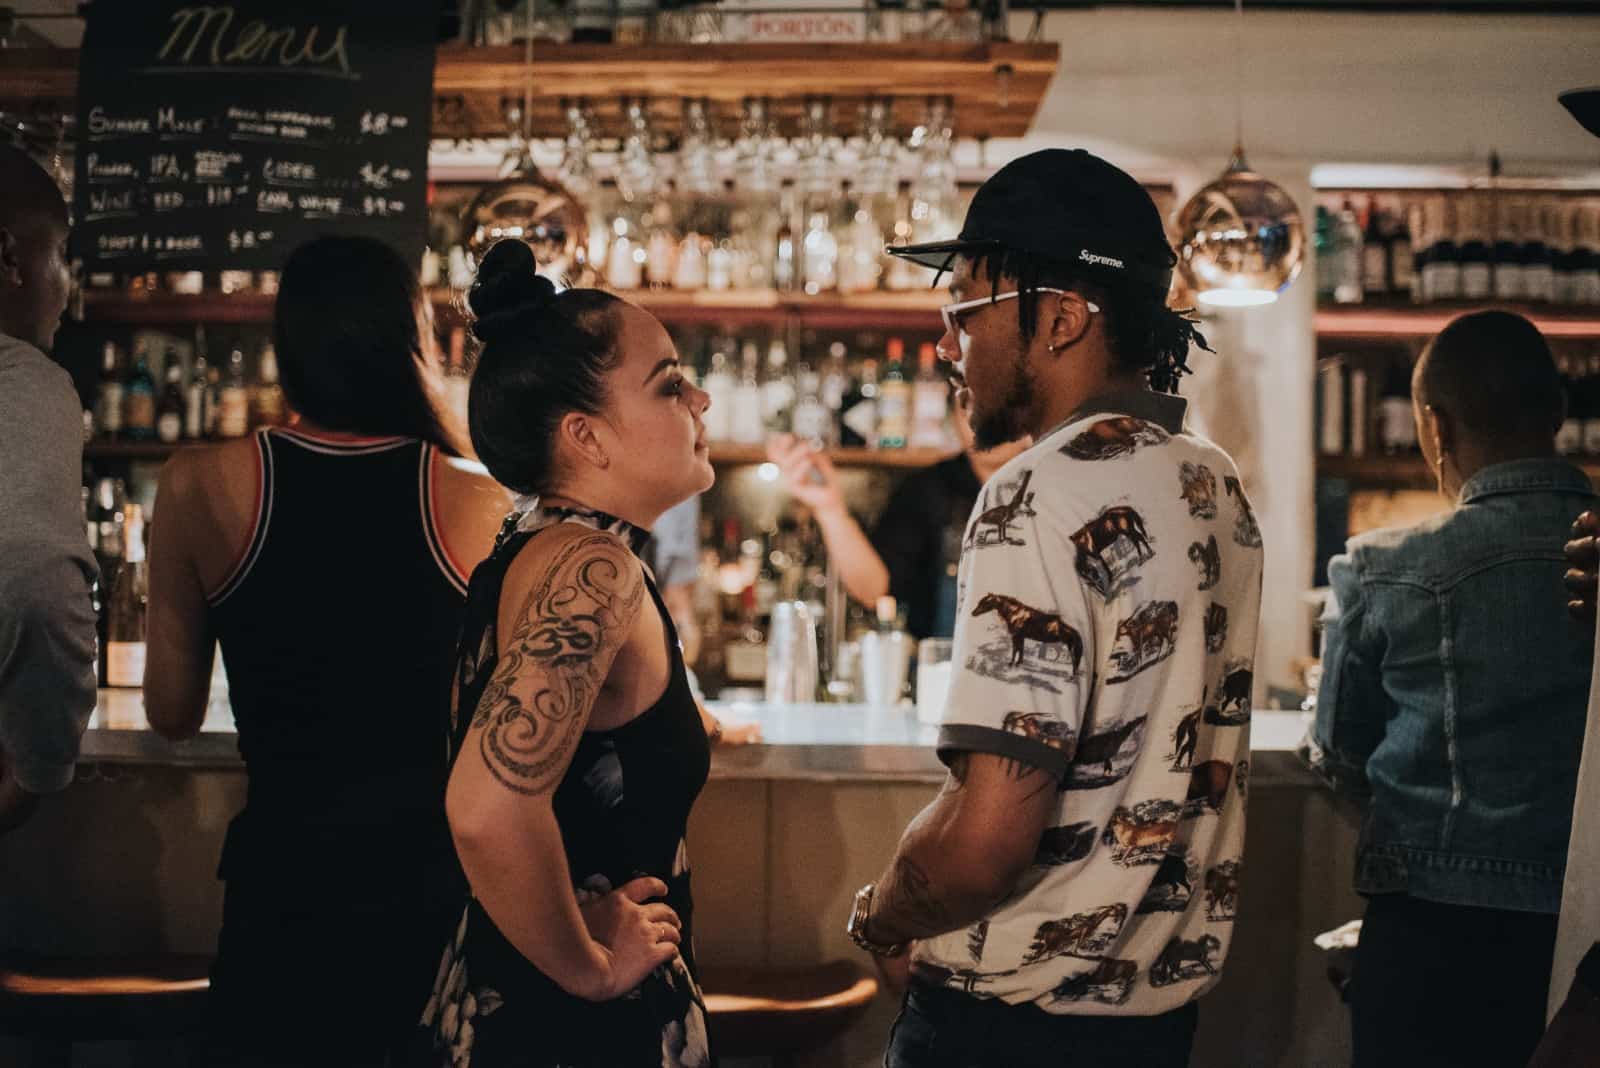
point(895, 971)
point(808, 474)
point(1583, 561)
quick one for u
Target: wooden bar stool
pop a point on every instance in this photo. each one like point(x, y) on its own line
point(781, 1013)
point(55, 1002)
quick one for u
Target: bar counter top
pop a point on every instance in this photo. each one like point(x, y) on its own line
point(810, 742)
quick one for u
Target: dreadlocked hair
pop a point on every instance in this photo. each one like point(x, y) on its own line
point(1142, 333)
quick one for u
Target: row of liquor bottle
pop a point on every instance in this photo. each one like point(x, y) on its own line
point(1460, 246)
point(1364, 407)
point(889, 404)
point(194, 402)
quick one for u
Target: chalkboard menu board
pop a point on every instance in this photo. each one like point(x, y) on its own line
point(220, 136)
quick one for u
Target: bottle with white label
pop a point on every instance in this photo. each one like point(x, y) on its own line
point(233, 403)
point(1538, 272)
point(930, 401)
point(860, 419)
point(749, 428)
point(1510, 271)
point(169, 412)
point(1347, 256)
point(720, 385)
point(777, 389)
point(835, 384)
point(812, 419)
point(1584, 280)
point(1476, 254)
point(196, 417)
point(130, 595)
point(894, 400)
point(108, 398)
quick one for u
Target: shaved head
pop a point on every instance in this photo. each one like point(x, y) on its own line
point(1493, 374)
point(34, 279)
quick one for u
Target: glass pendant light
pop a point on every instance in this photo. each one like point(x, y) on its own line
point(1240, 241)
point(526, 205)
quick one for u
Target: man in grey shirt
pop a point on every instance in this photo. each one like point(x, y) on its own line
point(47, 620)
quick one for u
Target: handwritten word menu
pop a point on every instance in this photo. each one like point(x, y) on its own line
point(220, 136)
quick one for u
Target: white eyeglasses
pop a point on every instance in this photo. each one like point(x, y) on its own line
point(950, 311)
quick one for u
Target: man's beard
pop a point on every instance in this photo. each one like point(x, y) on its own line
point(1010, 419)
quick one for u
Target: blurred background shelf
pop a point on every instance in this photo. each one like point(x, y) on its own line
point(1378, 320)
point(1403, 472)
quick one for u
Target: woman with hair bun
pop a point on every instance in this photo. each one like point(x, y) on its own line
point(577, 746)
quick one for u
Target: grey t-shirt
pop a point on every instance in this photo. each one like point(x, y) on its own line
point(47, 620)
point(675, 545)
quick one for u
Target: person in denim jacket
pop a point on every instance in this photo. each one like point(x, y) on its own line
point(1452, 705)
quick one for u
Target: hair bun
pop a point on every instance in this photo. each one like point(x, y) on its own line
point(508, 286)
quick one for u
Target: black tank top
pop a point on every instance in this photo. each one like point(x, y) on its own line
point(338, 629)
point(623, 808)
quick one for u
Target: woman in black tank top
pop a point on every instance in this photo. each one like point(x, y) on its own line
point(338, 619)
point(578, 748)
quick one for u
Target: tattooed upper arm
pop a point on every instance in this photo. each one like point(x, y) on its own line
point(581, 609)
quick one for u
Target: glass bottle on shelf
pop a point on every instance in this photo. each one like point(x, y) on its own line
point(1476, 255)
point(689, 268)
point(1538, 277)
point(1374, 253)
point(860, 418)
point(169, 412)
point(835, 384)
point(267, 404)
point(109, 393)
point(1402, 255)
point(785, 260)
point(1348, 254)
point(1419, 240)
point(105, 510)
point(194, 398)
point(819, 251)
point(777, 389)
point(721, 386)
point(749, 428)
point(1509, 268)
point(1441, 278)
point(1558, 222)
point(812, 419)
point(894, 399)
point(125, 614)
point(233, 404)
point(139, 401)
point(930, 401)
point(1584, 286)
point(1397, 428)
point(661, 246)
point(860, 259)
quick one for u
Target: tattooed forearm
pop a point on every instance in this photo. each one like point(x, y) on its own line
point(534, 710)
point(911, 897)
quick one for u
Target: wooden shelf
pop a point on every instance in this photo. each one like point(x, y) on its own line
point(996, 86)
point(877, 310)
point(728, 455)
point(1403, 472)
point(1394, 320)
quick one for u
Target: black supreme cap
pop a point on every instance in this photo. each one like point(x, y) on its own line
point(1065, 205)
point(1585, 107)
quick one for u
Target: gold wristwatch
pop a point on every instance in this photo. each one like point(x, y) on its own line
point(857, 927)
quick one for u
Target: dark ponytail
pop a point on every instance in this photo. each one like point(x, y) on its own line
point(544, 354)
point(346, 334)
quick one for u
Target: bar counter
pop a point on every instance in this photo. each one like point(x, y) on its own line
point(780, 839)
point(799, 742)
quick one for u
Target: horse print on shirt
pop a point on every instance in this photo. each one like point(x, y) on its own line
point(977, 938)
point(1173, 885)
point(1108, 439)
point(1105, 757)
point(1110, 982)
point(1208, 787)
point(969, 981)
point(1208, 559)
point(1198, 488)
point(1046, 730)
point(1087, 934)
point(1026, 624)
point(1054, 659)
point(1222, 891)
point(1111, 548)
point(1144, 639)
point(1186, 737)
point(1182, 960)
point(1009, 502)
point(1233, 699)
point(1245, 530)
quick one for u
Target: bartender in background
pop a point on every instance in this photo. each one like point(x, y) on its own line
point(674, 557)
point(915, 549)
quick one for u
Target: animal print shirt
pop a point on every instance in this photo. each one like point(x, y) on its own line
point(1110, 587)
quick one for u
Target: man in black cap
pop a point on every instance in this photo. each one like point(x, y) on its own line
point(1072, 890)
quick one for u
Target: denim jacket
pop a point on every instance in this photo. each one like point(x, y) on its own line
point(1454, 693)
